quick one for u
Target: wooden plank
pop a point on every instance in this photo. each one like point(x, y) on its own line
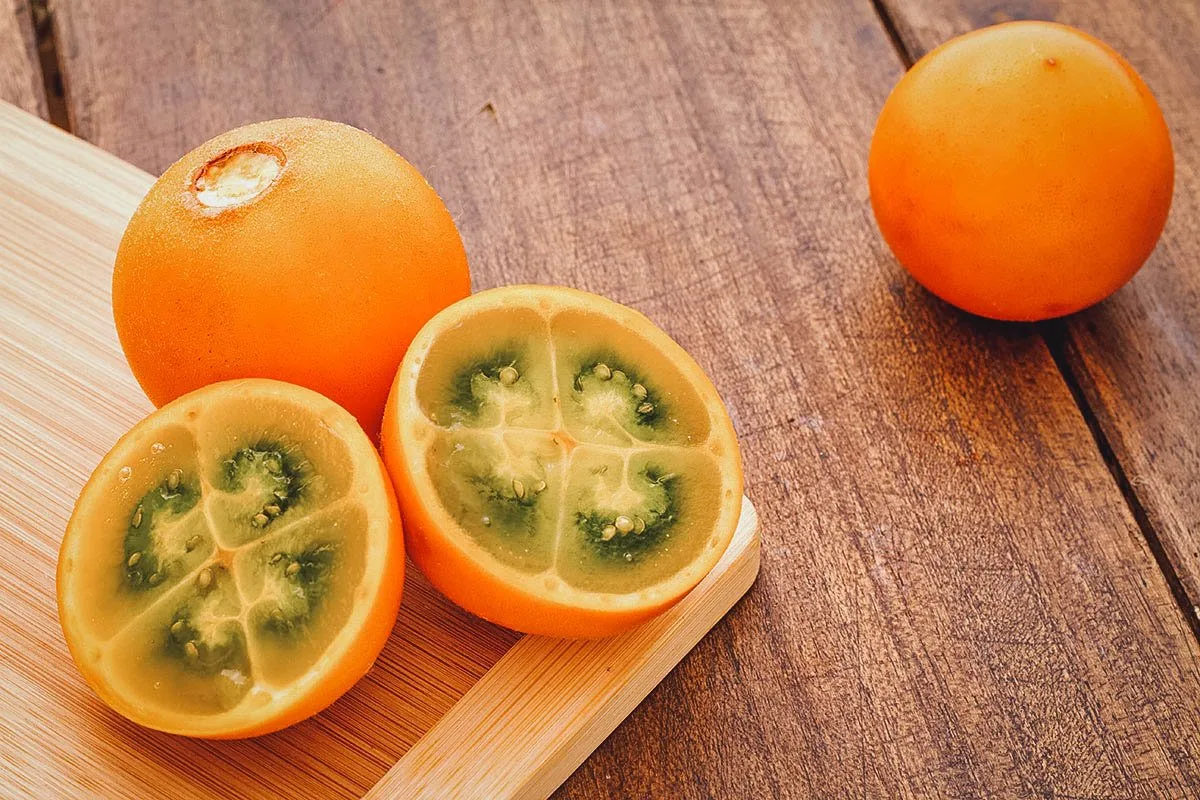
point(955, 599)
point(20, 73)
point(1136, 356)
point(547, 703)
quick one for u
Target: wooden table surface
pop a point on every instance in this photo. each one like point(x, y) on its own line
point(981, 542)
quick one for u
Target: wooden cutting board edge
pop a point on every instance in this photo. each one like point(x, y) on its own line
point(535, 716)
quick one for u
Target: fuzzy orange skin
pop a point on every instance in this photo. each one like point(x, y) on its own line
point(320, 281)
point(1022, 171)
point(355, 662)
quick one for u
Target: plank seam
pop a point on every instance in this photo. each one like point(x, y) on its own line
point(893, 33)
point(1057, 340)
point(25, 20)
point(45, 31)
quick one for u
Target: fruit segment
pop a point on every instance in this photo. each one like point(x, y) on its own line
point(149, 534)
point(187, 653)
point(503, 379)
point(616, 388)
point(501, 487)
point(263, 477)
point(300, 584)
point(258, 489)
point(632, 521)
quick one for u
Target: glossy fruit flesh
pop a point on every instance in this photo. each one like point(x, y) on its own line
point(226, 557)
point(570, 451)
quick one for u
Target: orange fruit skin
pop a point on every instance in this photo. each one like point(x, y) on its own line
point(340, 676)
point(322, 280)
point(1022, 171)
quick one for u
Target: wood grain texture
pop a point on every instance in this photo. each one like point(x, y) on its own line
point(20, 73)
point(1137, 355)
point(955, 599)
point(547, 703)
point(66, 394)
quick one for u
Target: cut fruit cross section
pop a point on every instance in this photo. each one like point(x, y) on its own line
point(563, 466)
point(234, 564)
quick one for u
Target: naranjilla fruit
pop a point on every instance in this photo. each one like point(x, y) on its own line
point(234, 564)
point(1022, 171)
point(563, 466)
point(297, 249)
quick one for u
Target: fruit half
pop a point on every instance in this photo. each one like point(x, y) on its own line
point(234, 564)
point(563, 467)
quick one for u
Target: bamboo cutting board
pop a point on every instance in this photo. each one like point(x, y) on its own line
point(454, 708)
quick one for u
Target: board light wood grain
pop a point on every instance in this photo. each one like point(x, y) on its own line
point(954, 598)
point(66, 395)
